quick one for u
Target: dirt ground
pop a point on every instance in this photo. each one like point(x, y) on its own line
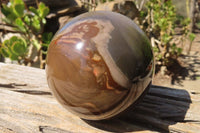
point(186, 73)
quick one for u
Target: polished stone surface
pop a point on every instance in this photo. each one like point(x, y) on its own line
point(99, 64)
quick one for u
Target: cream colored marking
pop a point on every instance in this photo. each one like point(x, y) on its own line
point(101, 41)
point(96, 57)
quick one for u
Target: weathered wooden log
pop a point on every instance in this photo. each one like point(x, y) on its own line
point(27, 106)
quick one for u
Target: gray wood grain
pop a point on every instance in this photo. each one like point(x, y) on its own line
point(27, 106)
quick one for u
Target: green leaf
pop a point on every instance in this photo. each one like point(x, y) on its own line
point(34, 10)
point(43, 10)
point(155, 49)
point(6, 43)
point(166, 38)
point(179, 51)
point(13, 11)
point(44, 52)
point(41, 6)
point(192, 37)
point(159, 56)
point(18, 1)
point(13, 39)
point(45, 45)
point(5, 10)
point(9, 13)
point(19, 9)
point(36, 23)
point(13, 56)
point(27, 20)
point(44, 21)
point(16, 38)
point(173, 47)
point(20, 24)
point(4, 52)
point(46, 37)
point(19, 48)
point(11, 17)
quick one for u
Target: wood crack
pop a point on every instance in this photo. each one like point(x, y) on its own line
point(33, 92)
point(48, 129)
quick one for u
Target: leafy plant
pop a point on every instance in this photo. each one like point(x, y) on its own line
point(29, 23)
point(184, 23)
point(186, 33)
point(14, 48)
point(158, 21)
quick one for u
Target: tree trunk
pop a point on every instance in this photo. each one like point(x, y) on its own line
point(192, 14)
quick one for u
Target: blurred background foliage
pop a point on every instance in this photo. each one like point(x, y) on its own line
point(157, 18)
point(27, 48)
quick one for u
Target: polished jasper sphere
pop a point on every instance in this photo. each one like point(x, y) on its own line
point(99, 64)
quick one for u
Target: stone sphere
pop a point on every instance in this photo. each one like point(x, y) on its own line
point(99, 64)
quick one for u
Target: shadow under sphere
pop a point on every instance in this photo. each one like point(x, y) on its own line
point(160, 108)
